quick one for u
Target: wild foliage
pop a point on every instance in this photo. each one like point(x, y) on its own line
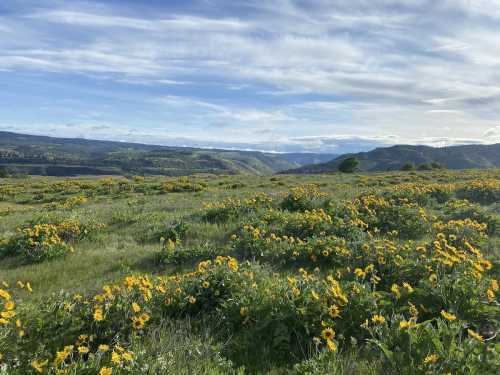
point(394, 278)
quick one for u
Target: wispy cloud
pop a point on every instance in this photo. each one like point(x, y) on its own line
point(258, 72)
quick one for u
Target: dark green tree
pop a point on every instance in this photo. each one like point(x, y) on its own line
point(424, 167)
point(3, 172)
point(408, 167)
point(436, 165)
point(349, 165)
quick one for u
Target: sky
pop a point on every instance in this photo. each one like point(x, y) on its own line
point(328, 76)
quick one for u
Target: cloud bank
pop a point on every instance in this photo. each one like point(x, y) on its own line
point(280, 76)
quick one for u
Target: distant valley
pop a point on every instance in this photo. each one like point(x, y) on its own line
point(41, 155)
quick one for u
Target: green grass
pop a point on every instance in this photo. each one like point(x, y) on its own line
point(129, 244)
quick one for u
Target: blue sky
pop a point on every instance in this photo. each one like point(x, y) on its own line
point(282, 75)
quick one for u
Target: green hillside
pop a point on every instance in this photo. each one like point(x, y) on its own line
point(50, 156)
point(395, 157)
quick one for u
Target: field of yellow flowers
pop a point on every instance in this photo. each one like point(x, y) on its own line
point(388, 273)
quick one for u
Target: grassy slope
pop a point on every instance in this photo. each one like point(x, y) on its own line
point(393, 158)
point(59, 156)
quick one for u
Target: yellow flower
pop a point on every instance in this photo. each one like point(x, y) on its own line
point(331, 346)
point(328, 333)
point(98, 315)
point(192, 300)
point(115, 358)
point(205, 284)
point(4, 294)
point(39, 366)
point(475, 335)
point(395, 291)
point(494, 285)
point(334, 311)
point(137, 323)
point(83, 349)
point(359, 272)
point(106, 371)
point(144, 317)
point(314, 295)
point(8, 314)
point(378, 319)
point(404, 324)
point(448, 316)
point(431, 358)
point(408, 287)
point(490, 294)
point(127, 356)
point(103, 348)
point(135, 307)
point(9, 305)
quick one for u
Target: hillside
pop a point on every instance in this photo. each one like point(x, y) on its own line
point(40, 155)
point(393, 158)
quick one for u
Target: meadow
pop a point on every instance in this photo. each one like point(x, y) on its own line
point(375, 273)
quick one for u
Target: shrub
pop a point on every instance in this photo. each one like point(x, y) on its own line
point(183, 185)
point(304, 197)
point(349, 165)
point(481, 191)
point(230, 208)
point(408, 167)
point(44, 241)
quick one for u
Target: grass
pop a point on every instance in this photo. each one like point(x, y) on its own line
point(137, 213)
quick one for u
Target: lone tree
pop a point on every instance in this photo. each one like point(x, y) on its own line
point(3, 172)
point(436, 165)
point(349, 165)
point(408, 167)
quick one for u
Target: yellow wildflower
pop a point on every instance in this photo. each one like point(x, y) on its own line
point(135, 307)
point(103, 348)
point(9, 305)
point(448, 316)
point(475, 335)
point(39, 366)
point(115, 358)
point(98, 315)
point(83, 349)
point(331, 346)
point(431, 358)
point(378, 319)
point(328, 333)
point(334, 311)
point(127, 356)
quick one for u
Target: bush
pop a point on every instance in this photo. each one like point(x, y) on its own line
point(408, 167)
point(304, 197)
point(44, 241)
point(349, 165)
point(481, 191)
point(183, 185)
point(424, 167)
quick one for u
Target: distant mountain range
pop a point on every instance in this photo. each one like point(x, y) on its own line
point(40, 155)
point(393, 158)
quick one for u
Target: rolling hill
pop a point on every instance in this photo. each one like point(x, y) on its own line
point(393, 158)
point(41, 155)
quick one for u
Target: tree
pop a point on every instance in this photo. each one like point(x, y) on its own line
point(436, 165)
point(349, 165)
point(424, 167)
point(408, 167)
point(3, 172)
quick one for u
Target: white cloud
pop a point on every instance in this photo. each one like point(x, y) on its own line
point(410, 68)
